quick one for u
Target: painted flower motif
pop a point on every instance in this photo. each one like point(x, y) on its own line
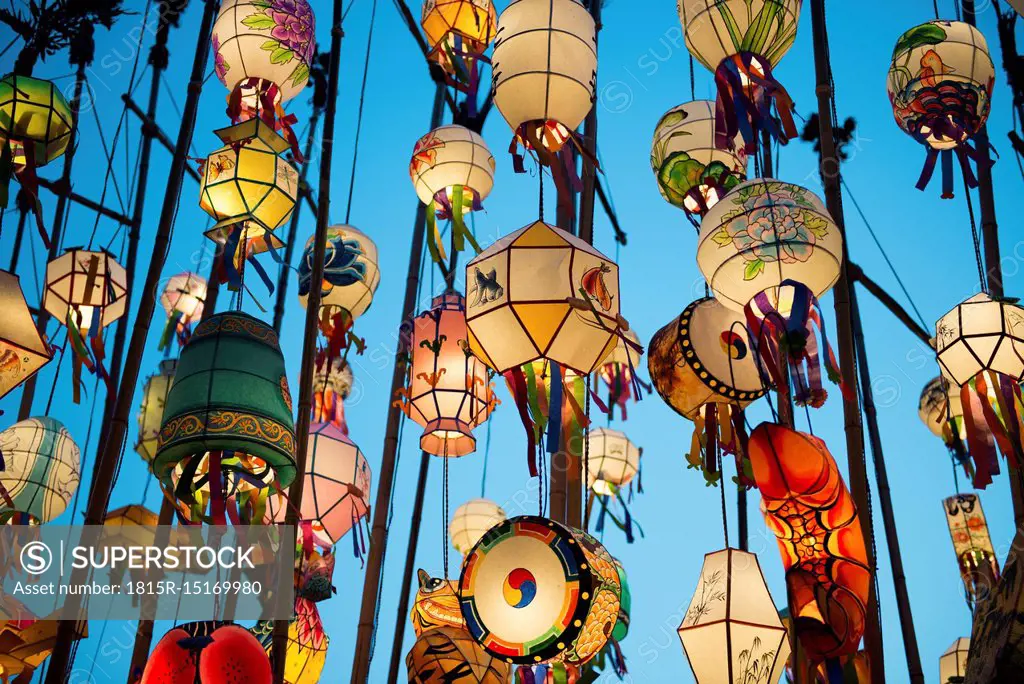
point(290, 25)
point(424, 154)
point(219, 63)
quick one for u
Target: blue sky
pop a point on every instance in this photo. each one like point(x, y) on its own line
point(643, 72)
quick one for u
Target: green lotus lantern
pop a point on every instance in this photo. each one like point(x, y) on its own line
point(227, 433)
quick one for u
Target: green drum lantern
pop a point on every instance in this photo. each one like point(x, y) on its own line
point(227, 430)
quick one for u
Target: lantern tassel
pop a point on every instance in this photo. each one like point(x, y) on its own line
point(26, 175)
point(555, 408)
point(979, 439)
point(434, 244)
point(940, 125)
point(169, 329)
point(517, 385)
point(744, 108)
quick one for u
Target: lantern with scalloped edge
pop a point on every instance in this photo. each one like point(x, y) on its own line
point(351, 276)
point(41, 471)
point(471, 520)
point(972, 544)
point(953, 663)
point(22, 350)
point(151, 410)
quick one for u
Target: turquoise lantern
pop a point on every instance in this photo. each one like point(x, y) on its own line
point(40, 473)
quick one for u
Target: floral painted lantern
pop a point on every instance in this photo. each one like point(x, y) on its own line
point(533, 591)
point(979, 568)
point(980, 347)
point(459, 32)
point(182, 298)
point(807, 505)
point(471, 520)
point(351, 276)
point(940, 86)
point(741, 42)
point(332, 385)
point(692, 171)
point(618, 373)
point(436, 604)
point(227, 420)
point(770, 249)
point(545, 66)
point(336, 495)
point(731, 631)
point(953, 663)
point(614, 461)
point(151, 411)
point(306, 653)
point(22, 350)
point(447, 654)
point(702, 367)
point(448, 391)
point(208, 653)
point(41, 471)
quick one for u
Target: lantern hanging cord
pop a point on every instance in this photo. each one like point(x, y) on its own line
point(725, 519)
point(384, 550)
point(444, 511)
point(586, 458)
point(487, 454)
point(693, 82)
point(359, 116)
point(976, 239)
point(540, 198)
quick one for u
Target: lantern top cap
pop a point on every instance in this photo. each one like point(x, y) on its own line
point(330, 431)
point(449, 301)
point(253, 129)
point(538, 234)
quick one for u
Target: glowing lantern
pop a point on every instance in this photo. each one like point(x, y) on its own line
point(182, 298)
point(208, 653)
point(940, 86)
point(614, 461)
point(459, 32)
point(731, 629)
point(807, 505)
point(448, 390)
point(692, 171)
point(980, 347)
point(618, 372)
point(228, 414)
point(332, 385)
point(942, 412)
point(471, 520)
point(85, 287)
point(972, 544)
point(534, 591)
point(41, 471)
point(336, 495)
point(26, 643)
point(22, 349)
point(447, 654)
point(306, 653)
point(740, 42)
point(351, 276)
point(436, 605)
point(702, 367)
point(545, 66)
point(953, 663)
point(151, 411)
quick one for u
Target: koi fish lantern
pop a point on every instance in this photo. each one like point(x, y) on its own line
point(471, 520)
point(545, 79)
point(227, 423)
point(770, 249)
point(618, 373)
point(807, 505)
point(702, 366)
point(306, 653)
point(940, 86)
point(41, 471)
point(459, 32)
point(151, 411)
point(436, 604)
point(447, 654)
point(22, 349)
point(692, 171)
point(731, 628)
point(453, 172)
point(448, 391)
point(208, 652)
point(980, 347)
point(182, 298)
point(942, 413)
point(953, 663)
point(533, 591)
point(741, 42)
point(975, 556)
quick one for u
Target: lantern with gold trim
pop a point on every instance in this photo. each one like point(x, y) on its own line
point(182, 298)
point(979, 568)
point(22, 349)
point(41, 471)
point(459, 32)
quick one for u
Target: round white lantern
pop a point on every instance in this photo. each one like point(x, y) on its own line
point(981, 334)
point(471, 520)
point(449, 157)
point(41, 470)
point(953, 663)
point(184, 293)
point(351, 275)
point(613, 461)
point(717, 29)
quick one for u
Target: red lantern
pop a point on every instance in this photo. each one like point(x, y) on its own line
point(807, 505)
point(208, 653)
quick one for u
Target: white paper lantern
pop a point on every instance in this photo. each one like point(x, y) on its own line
point(351, 275)
point(613, 461)
point(184, 293)
point(22, 350)
point(452, 156)
point(151, 411)
point(471, 520)
point(953, 663)
point(85, 285)
point(41, 470)
point(717, 29)
point(981, 334)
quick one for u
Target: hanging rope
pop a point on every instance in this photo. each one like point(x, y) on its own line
point(976, 239)
point(359, 117)
point(487, 454)
point(725, 518)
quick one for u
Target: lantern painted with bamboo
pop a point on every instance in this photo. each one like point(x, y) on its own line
point(619, 373)
point(35, 129)
point(613, 461)
point(336, 495)
point(351, 276)
point(228, 418)
point(208, 652)
point(332, 385)
point(306, 653)
point(182, 298)
point(22, 350)
point(448, 391)
point(980, 347)
point(731, 631)
point(953, 663)
point(85, 287)
point(471, 520)
point(459, 32)
point(979, 568)
point(741, 42)
point(807, 505)
point(692, 171)
point(151, 410)
point(703, 367)
point(436, 604)
point(940, 86)
point(447, 654)
point(545, 71)
point(534, 591)
point(41, 471)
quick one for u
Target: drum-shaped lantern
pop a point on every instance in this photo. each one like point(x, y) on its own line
point(87, 287)
point(613, 460)
point(41, 471)
point(151, 411)
point(22, 350)
point(351, 275)
point(452, 161)
point(35, 120)
point(471, 520)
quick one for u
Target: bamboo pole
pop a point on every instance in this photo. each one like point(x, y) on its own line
point(309, 346)
point(21, 203)
point(829, 167)
point(117, 428)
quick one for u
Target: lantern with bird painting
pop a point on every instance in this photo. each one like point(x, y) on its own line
point(151, 410)
point(741, 42)
point(807, 505)
point(182, 298)
point(471, 520)
point(692, 171)
point(459, 32)
point(702, 366)
point(22, 349)
point(41, 471)
point(618, 373)
point(208, 652)
point(979, 568)
point(351, 276)
point(447, 654)
point(940, 86)
point(953, 662)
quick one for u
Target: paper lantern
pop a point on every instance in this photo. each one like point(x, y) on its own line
point(471, 520)
point(229, 411)
point(86, 287)
point(266, 46)
point(26, 643)
point(731, 631)
point(693, 173)
point(448, 391)
point(936, 412)
point(306, 653)
point(208, 653)
point(436, 605)
point(613, 461)
point(22, 349)
point(41, 471)
point(448, 159)
point(940, 86)
point(807, 505)
point(702, 367)
point(447, 654)
point(351, 275)
point(545, 71)
point(972, 544)
point(336, 495)
point(182, 298)
point(35, 120)
point(332, 385)
point(535, 591)
point(542, 293)
point(151, 410)
point(618, 373)
point(953, 663)
point(458, 27)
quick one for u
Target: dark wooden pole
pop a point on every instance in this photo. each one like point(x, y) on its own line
point(829, 167)
point(144, 630)
point(117, 427)
point(21, 204)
